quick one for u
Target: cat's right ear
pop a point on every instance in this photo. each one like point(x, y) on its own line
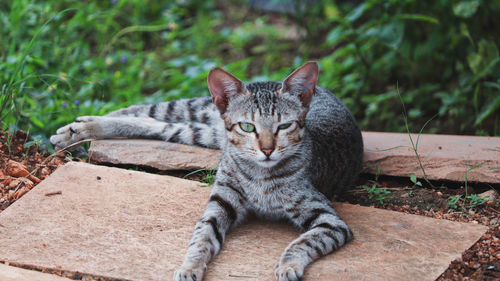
point(223, 85)
point(302, 82)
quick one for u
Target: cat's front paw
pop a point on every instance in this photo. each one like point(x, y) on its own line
point(84, 127)
point(288, 272)
point(186, 273)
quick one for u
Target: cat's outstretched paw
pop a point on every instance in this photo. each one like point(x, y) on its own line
point(189, 273)
point(84, 127)
point(288, 272)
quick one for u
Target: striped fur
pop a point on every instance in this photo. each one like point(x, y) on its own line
point(286, 173)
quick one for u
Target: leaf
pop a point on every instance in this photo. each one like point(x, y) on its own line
point(418, 17)
point(390, 34)
point(331, 11)
point(487, 52)
point(337, 34)
point(357, 13)
point(490, 108)
point(36, 122)
point(465, 9)
point(486, 70)
point(413, 178)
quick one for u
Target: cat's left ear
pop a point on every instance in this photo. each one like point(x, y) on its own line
point(302, 82)
point(223, 85)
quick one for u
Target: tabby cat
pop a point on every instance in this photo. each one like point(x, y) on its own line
point(288, 147)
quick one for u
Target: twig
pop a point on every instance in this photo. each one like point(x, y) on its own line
point(57, 152)
point(53, 193)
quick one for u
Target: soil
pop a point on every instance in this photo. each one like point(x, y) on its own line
point(21, 168)
point(482, 260)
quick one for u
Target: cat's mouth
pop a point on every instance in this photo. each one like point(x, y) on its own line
point(267, 163)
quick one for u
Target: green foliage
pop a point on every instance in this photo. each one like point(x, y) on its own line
point(469, 202)
point(374, 192)
point(414, 180)
point(379, 194)
point(63, 59)
point(453, 201)
point(476, 201)
point(207, 177)
point(444, 54)
point(466, 203)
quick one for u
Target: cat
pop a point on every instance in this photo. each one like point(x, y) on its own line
point(288, 147)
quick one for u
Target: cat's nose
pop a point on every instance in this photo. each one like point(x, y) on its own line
point(267, 151)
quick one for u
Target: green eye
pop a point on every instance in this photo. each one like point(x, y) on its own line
point(247, 127)
point(284, 126)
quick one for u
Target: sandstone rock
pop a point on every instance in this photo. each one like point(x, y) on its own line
point(11, 273)
point(444, 157)
point(151, 153)
point(133, 225)
point(491, 195)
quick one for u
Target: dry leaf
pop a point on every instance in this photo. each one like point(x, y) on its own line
point(17, 169)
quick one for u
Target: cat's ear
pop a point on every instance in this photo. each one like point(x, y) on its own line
point(302, 82)
point(223, 85)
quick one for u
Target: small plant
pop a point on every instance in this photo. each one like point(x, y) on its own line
point(414, 180)
point(208, 179)
point(379, 194)
point(410, 194)
point(475, 201)
point(35, 142)
point(414, 144)
point(453, 201)
point(467, 174)
point(466, 203)
point(374, 192)
point(469, 202)
point(9, 138)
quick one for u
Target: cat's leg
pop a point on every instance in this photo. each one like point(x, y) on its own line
point(105, 127)
point(225, 209)
point(324, 233)
point(192, 121)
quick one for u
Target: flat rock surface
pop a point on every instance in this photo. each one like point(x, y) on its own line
point(444, 157)
point(133, 225)
point(160, 155)
point(12, 273)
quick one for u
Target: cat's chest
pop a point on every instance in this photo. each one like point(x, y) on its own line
point(267, 199)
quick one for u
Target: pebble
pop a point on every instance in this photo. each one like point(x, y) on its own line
point(491, 195)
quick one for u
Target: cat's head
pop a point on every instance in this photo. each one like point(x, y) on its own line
point(264, 120)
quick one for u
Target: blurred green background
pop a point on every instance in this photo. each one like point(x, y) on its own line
point(62, 59)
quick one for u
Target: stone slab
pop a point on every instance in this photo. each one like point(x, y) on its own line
point(134, 225)
point(160, 155)
point(12, 273)
point(444, 157)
